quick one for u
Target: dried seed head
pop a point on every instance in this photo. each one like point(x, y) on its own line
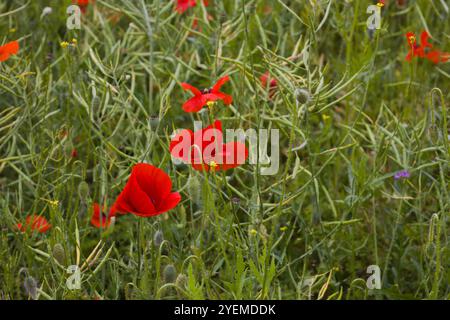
point(302, 95)
point(59, 253)
point(30, 286)
point(170, 273)
point(158, 238)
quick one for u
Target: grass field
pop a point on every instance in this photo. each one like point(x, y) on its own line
point(363, 177)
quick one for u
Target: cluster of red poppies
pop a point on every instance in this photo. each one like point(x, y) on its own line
point(425, 49)
point(148, 190)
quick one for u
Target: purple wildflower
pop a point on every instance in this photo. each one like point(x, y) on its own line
point(403, 174)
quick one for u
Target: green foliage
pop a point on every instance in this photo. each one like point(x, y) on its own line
point(351, 112)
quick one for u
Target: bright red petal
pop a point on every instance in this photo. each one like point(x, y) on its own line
point(180, 145)
point(194, 90)
point(219, 84)
point(424, 40)
point(219, 96)
point(153, 181)
point(35, 223)
point(170, 202)
point(233, 155)
point(12, 47)
point(194, 104)
point(134, 200)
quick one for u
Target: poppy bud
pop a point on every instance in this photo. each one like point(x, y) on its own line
point(59, 254)
point(194, 189)
point(302, 95)
point(170, 273)
point(83, 190)
point(181, 280)
point(30, 286)
point(158, 238)
point(154, 121)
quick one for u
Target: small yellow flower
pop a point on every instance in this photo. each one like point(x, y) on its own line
point(380, 4)
point(64, 44)
point(210, 104)
point(325, 117)
point(213, 164)
point(283, 229)
point(12, 30)
point(53, 203)
point(253, 232)
point(74, 42)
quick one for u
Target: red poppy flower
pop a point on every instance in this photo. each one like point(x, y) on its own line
point(147, 193)
point(83, 4)
point(183, 5)
point(204, 149)
point(272, 83)
point(421, 50)
point(99, 219)
point(35, 223)
point(74, 153)
point(8, 49)
point(205, 97)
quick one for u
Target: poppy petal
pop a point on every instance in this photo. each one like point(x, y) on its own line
point(227, 99)
point(170, 202)
point(180, 145)
point(220, 83)
point(133, 199)
point(233, 155)
point(153, 181)
point(194, 90)
point(194, 104)
point(12, 47)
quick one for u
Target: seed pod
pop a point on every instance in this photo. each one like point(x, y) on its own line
point(59, 253)
point(154, 121)
point(170, 273)
point(96, 102)
point(158, 238)
point(194, 189)
point(83, 190)
point(30, 286)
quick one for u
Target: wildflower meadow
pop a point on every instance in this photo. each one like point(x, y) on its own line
point(224, 149)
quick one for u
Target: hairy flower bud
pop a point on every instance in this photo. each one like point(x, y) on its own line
point(59, 253)
point(30, 286)
point(169, 273)
point(158, 238)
